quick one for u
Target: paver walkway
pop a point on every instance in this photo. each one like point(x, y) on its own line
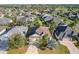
point(32, 50)
point(70, 45)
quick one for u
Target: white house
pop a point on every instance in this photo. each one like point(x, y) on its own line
point(2, 30)
point(5, 21)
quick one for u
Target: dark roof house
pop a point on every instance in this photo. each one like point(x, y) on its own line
point(63, 31)
point(47, 17)
point(73, 16)
point(31, 31)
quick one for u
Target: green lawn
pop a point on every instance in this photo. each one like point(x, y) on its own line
point(40, 22)
point(60, 50)
point(18, 51)
point(77, 30)
point(66, 20)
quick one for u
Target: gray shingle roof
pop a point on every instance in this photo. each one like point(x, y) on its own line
point(18, 29)
point(1, 28)
point(3, 42)
point(5, 21)
point(4, 38)
point(47, 17)
point(25, 19)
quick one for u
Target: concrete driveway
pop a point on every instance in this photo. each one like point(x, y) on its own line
point(32, 50)
point(70, 45)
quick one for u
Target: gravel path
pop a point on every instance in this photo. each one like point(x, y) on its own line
point(70, 46)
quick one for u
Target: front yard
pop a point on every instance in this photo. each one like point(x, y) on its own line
point(59, 50)
point(21, 50)
point(18, 44)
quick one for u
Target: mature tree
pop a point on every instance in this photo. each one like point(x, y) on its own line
point(74, 38)
point(72, 24)
point(17, 41)
point(37, 22)
point(44, 41)
point(52, 26)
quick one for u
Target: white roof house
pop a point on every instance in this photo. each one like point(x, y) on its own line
point(29, 18)
point(2, 29)
point(5, 21)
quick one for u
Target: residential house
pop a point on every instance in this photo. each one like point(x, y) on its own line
point(4, 42)
point(43, 30)
point(66, 14)
point(63, 31)
point(57, 20)
point(73, 15)
point(39, 32)
point(5, 37)
point(28, 13)
point(24, 20)
point(5, 21)
point(2, 29)
point(34, 37)
point(17, 30)
point(1, 14)
point(31, 31)
point(47, 17)
point(37, 13)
